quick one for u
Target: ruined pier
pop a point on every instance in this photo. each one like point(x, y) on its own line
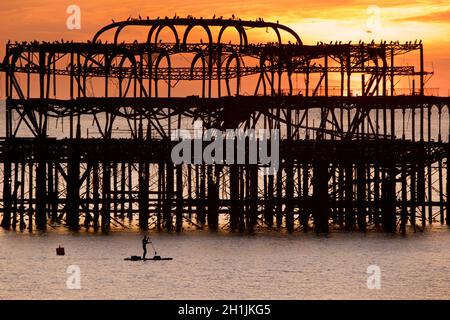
point(88, 126)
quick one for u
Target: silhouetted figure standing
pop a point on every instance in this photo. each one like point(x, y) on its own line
point(144, 246)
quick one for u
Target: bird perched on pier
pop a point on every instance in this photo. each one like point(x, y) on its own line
point(232, 16)
point(129, 18)
point(214, 16)
point(113, 21)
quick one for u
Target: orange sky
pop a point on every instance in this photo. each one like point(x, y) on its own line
point(318, 20)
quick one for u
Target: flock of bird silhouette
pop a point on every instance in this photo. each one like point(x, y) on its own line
point(233, 17)
point(189, 17)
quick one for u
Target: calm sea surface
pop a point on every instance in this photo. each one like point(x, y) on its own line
point(209, 265)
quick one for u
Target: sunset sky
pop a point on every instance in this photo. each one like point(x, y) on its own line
point(319, 20)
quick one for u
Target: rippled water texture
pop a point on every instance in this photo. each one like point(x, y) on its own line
point(210, 265)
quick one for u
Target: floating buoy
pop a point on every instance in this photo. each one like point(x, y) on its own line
point(60, 251)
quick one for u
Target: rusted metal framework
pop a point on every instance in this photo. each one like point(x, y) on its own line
point(88, 129)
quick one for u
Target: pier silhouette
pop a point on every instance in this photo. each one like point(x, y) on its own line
point(356, 152)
